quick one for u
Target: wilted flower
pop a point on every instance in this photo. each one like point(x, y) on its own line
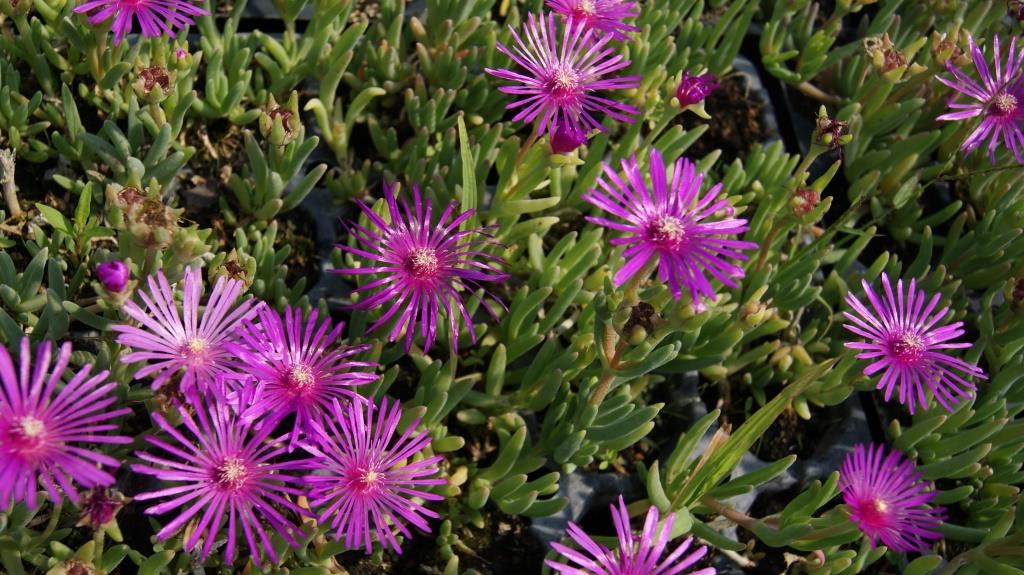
point(113, 275)
point(46, 426)
point(152, 84)
point(221, 467)
point(999, 100)
point(887, 499)
point(1016, 8)
point(830, 133)
point(566, 138)
point(99, 507)
point(693, 90)
point(562, 78)
point(361, 478)
point(280, 124)
point(424, 266)
point(633, 556)
point(905, 339)
point(192, 341)
point(155, 17)
point(804, 201)
point(295, 366)
point(605, 16)
point(663, 222)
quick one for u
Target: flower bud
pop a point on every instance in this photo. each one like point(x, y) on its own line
point(566, 138)
point(113, 275)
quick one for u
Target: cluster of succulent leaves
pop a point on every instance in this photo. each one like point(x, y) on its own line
point(355, 95)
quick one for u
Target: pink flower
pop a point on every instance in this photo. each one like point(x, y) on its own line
point(633, 556)
point(155, 17)
point(562, 78)
point(361, 478)
point(192, 342)
point(605, 16)
point(566, 139)
point(425, 267)
point(664, 222)
point(906, 340)
point(999, 100)
point(47, 426)
point(887, 499)
point(113, 275)
point(221, 467)
point(296, 367)
point(693, 90)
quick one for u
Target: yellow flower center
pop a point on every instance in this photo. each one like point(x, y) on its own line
point(422, 262)
point(1005, 103)
point(666, 231)
point(232, 473)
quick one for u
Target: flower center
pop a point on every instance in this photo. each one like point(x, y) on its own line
point(875, 514)
point(194, 351)
point(300, 379)
point(366, 481)
point(586, 7)
point(906, 347)
point(26, 434)
point(564, 85)
point(666, 231)
point(232, 473)
point(1004, 104)
point(422, 263)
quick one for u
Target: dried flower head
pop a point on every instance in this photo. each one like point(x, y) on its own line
point(47, 426)
point(906, 340)
point(296, 367)
point(100, 506)
point(426, 267)
point(664, 222)
point(605, 16)
point(194, 340)
point(362, 479)
point(999, 99)
point(804, 201)
point(887, 499)
point(830, 133)
point(633, 556)
point(562, 78)
point(1016, 9)
point(156, 17)
point(222, 467)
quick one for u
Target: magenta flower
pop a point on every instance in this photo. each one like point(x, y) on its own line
point(605, 16)
point(562, 78)
point(693, 90)
point(296, 367)
point(566, 138)
point(632, 557)
point(192, 342)
point(664, 223)
point(113, 275)
point(999, 100)
point(47, 426)
point(155, 17)
point(905, 340)
point(887, 499)
point(361, 476)
point(220, 467)
point(425, 267)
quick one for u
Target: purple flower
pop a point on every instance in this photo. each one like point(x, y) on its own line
point(906, 340)
point(113, 275)
point(155, 17)
point(566, 138)
point(562, 79)
point(425, 267)
point(221, 467)
point(47, 426)
point(632, 557)
point(664, 222)
point(192, 342)
point(295, 367)
point(887, 499)
point(693, 90)
point(605, 16)
point(999, 100)
point(361, 476)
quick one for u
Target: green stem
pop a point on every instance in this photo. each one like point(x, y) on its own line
point(51, 526)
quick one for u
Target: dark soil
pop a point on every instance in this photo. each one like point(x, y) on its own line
point(220, 152)
point(296, 229)
point(737, 125)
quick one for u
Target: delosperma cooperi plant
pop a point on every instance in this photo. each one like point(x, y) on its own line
point(423, 287)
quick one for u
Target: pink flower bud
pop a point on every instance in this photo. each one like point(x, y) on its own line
point(113, 275)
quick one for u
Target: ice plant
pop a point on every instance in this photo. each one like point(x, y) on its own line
point(633, 556)
point(566, 138)
point(693, 90)
point(363, 482)
point(999, 99)
point(113, 275)
point(907, 341)
point(605, 16)
point(222, 467)
point(426, 267)
point(155, 17)
point(193, 341)
point(47, 427)
point(296, 366)
point(887, 499)
point(562, 78)
point(666, 222)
